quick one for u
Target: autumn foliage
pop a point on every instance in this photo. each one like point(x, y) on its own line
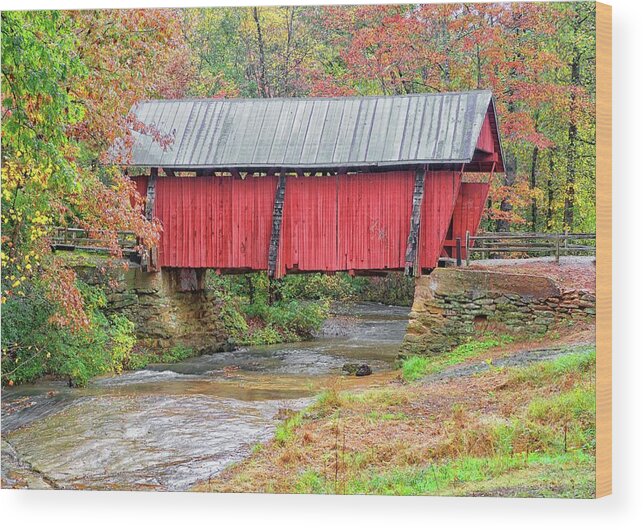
point(70, 78)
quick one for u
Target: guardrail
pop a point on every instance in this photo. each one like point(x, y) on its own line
point(529, 243)
point(65, 238)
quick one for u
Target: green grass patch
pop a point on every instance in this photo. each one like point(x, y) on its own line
point(447, 477)
point(577, 404)
point(378, 397)
point(286, 429)
point(416, 367)
point(377, 416)
point(443, 478)
point(582, 361)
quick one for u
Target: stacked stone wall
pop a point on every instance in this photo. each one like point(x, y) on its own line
point(452, 305)
point(164, 315)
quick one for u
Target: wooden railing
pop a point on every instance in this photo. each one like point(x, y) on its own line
point(65, 238)
point(526, 244)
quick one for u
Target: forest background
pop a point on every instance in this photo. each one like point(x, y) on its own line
point(69, 79)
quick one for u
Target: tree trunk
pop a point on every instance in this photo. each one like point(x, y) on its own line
point(572, 138)
point(502, 225)
point(532, 186)
point(263, 88)
point(550, 192)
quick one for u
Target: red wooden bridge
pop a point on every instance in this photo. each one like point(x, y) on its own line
point(303, 185)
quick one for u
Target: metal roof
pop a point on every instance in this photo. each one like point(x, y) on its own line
point(312, 133)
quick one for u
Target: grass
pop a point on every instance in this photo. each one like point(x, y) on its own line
point(580, 361)
point(457, 476)
point(523, 431)
point(416, 367)
point(286, 429)
point(377, 416)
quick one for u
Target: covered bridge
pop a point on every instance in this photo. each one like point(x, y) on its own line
point(352, 184)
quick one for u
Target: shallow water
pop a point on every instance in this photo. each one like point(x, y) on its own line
point(172, 425)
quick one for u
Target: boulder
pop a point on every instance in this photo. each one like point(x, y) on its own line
point(356, 369)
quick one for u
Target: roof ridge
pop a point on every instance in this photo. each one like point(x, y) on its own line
point(316, 98)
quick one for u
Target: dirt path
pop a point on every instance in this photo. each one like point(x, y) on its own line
point(572, 272)
point(519, 358)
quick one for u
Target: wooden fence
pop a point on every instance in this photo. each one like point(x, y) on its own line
point(65, 238)
point(525, 244)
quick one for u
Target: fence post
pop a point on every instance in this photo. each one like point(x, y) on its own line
point(466, 247)
point(458, 252)
point(557, 248)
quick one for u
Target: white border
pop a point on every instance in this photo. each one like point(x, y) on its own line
point(51, 510)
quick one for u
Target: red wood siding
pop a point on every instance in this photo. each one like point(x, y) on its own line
point(346, 222)
point(486, 138)
point(332, 223)
point(440, 193)
point(467, 212)
point(309, 226)
point(374, 220)
point(216, 222)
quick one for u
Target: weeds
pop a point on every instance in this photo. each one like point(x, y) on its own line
point(416, 367)
point(285, 431)
point(574, 364)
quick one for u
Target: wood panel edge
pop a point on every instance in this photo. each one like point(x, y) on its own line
point(603, 250)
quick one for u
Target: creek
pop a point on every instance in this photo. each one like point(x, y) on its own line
point(170, 426)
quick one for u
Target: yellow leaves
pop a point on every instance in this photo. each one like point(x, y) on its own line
point(40, 218)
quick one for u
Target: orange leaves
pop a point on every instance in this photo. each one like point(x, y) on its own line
point(63, 293)
point(519, 195)
point(131, 55)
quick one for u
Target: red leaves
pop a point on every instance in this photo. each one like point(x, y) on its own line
point(63, 293)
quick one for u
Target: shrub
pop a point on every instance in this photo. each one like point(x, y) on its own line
point(33, 345)
point(414, 368)
point(249, 318)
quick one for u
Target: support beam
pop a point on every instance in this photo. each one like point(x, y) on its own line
point(150, 260)
point(411, 257)
point(277, 218)
point(151, 193)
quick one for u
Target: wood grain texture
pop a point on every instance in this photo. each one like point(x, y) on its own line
point(603, 250)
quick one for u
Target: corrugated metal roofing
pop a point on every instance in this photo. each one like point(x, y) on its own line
point(312, 133)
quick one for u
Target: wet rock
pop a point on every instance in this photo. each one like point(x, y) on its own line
point(356, 369)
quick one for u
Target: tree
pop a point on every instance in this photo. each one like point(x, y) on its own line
point(69, 79)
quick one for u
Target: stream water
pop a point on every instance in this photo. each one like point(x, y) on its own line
point(170, 426)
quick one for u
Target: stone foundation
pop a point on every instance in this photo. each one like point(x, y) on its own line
point(451, 305)
point(166, 307)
